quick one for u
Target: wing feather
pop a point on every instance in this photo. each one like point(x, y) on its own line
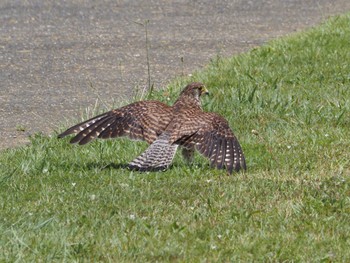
point(108, 131)
point(143, 120)
point(215, 140)
point(93, 131)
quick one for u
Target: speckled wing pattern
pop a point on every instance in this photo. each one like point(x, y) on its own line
point(143, 120)
point(210, 134)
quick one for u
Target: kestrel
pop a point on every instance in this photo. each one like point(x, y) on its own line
point(166, 128)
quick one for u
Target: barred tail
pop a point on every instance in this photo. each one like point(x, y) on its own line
point(158, 156)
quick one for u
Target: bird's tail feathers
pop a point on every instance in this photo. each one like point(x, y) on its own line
point(158, 156)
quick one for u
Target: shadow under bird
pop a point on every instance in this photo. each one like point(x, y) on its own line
point(166, 128)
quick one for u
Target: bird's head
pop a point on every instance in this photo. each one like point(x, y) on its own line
point(194, 90)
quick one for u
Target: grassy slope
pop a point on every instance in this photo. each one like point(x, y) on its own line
point(59, 201)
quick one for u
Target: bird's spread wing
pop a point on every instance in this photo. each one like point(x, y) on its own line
point(213, 138)
point(143, 120)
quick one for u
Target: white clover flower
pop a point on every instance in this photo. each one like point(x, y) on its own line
point(213, 247)
point(132, 217)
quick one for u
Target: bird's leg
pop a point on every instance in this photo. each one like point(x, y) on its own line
point(188, 154)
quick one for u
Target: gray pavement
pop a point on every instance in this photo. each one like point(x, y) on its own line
point(57, 57)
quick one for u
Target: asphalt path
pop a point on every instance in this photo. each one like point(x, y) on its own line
point(58, 58)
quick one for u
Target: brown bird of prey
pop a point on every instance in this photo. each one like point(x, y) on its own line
point(165, 128)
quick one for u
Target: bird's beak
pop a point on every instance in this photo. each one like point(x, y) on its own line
point(205, 91)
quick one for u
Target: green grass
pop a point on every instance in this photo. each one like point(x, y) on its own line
point(67, 203)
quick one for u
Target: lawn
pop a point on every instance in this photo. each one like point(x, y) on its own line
point(288, 102)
